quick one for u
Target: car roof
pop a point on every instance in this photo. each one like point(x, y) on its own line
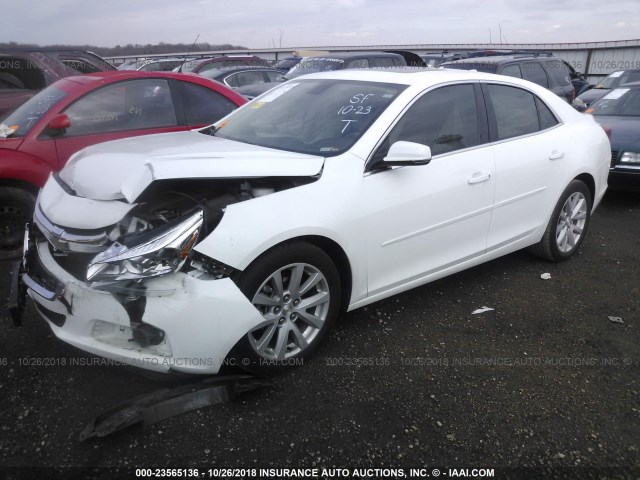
point(412, 76)
point(241, 68)
point(90, 80)
point(117, 75)
point(345, 55)
point(502, 58)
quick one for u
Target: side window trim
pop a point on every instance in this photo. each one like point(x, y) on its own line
point(111, 85)
point(483, 122)
point(493, 126)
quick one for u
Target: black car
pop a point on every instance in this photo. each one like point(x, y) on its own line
point(236, 77)
point(287, 63)
point(614, 80)
point(546, 70)
point(619, 112)
point(333, 61)
point(25, 72)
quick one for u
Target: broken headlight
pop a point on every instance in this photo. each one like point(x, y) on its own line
point(158, 252)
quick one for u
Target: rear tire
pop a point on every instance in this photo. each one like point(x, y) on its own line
point(16, 209)
point(297, 289)
point(568, 224)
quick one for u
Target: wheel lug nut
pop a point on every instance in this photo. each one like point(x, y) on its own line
point(293, 316)
point(281, 321)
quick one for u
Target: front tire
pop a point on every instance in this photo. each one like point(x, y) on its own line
point(296, 287)
point(568, 224)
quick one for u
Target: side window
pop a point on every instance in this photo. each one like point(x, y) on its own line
point(274, 76)
point(249, 78)
point(534, 72)
point(547, 118)
point(382, 62)
point(559, 72)
point(361, 63)
point(512, 71)
point(232, 80)
point(515, 111)
point(445, 119)
point(129, 105)
point(203, 106)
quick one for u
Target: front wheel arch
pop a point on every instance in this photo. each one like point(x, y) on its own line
point(296, 287)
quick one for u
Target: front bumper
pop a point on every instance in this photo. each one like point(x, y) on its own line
point(624, 178)
point(201, 319)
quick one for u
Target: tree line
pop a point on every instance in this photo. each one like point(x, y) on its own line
point(131, 49)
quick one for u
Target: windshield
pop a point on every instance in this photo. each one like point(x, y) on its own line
point(314, 65)
point(620, 102)
point(28, 114)
point(316, 117)
point(619, 78)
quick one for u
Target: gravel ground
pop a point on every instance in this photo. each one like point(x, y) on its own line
point(546, 379)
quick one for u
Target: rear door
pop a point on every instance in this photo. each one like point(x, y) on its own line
point(529, 147)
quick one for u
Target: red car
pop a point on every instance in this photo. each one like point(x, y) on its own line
point(75, 112)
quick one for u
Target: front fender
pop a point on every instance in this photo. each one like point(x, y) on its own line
point(326, 208)
point(16, 165)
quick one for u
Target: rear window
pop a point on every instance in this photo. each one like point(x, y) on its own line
point(534, 72)
point(559, 72)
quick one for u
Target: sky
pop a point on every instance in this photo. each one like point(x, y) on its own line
point(289, 23)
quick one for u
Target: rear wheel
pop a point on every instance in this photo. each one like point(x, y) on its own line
point(568, 224)
point(296, 288)
point(16, 209)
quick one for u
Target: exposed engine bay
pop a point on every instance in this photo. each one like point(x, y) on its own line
point(154, 238)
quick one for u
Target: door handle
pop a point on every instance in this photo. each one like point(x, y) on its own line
point(556, 155)
point(479, 177)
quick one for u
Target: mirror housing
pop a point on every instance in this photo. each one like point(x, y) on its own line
point(579, 105)
point(58, 123)
point(407, 154)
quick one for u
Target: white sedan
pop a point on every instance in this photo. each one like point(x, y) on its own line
point(244, 241)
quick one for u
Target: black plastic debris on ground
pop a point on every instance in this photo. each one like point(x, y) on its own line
point(154, 407)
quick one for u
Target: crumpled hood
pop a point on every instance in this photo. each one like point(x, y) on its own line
point(124, 168)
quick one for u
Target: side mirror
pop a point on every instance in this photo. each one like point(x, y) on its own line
point(579, 105)
point(407, 154)
point(59, 123)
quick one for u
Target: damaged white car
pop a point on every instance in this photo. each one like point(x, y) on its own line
point(247, 239)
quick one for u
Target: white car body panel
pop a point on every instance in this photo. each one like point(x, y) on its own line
point(79, 212)
point(398, 228)
point(124, 168)
point(193, 313)
point(424, 237)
